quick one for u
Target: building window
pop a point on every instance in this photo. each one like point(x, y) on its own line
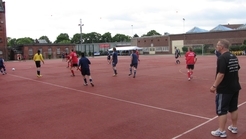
point(49, 51)
point(58, 51)
point(40, 51)
point(30, 52)
point(1, 52)
point(166, 48)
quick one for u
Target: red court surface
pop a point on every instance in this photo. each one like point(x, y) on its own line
point(160, 103)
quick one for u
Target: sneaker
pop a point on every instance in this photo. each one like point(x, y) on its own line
point(219, 133)
point(72, 75)
point(188, 79)
point(92, 84)
point(114, 75)
point(39, 75)
point(85, 84)
point(129, 74)
point(232, 129)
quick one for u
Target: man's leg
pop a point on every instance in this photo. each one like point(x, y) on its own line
point(234, 117)
point(222, 122)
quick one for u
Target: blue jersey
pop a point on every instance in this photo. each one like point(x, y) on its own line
point(1, 62)
point(134, 58)
point(115, 57)
point(84, 63)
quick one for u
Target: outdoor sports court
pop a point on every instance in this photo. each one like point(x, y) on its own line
point(160, 103)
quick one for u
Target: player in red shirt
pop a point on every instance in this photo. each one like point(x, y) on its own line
point(73, 61)
point(191, 59)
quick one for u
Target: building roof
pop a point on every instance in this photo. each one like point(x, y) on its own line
point(233, 26)
point(220, 28)
point(243, 26)
point(41, 41)
point(196, 30)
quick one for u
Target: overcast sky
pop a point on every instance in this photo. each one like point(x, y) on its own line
point(35, 18)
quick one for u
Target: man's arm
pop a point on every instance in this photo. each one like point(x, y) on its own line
point(219, 78)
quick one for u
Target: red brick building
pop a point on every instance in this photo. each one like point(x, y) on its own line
point(3, 37)
point(164, 44)
point(49, 51)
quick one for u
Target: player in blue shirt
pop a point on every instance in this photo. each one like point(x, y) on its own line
point(85, 69)
point(2, 66)
point(134, 63)
point(114, 61)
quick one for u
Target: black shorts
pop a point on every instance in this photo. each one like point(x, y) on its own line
point(108, 58)
point(134, 65)
point(74, 65)
point(85, 71)
point(190, 67)
point(38, 64)
point(226, 103)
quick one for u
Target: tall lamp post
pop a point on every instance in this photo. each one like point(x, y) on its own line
point(132, 31)
point(80, 25)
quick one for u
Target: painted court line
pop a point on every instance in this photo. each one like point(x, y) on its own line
point(192, 129)
point(112, 98)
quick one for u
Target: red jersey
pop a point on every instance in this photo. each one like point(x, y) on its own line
point(190, 58)
point(73, 58)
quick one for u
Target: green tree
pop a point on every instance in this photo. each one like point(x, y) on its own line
point(45, 38)
point(106, 37)
point(152, 33)
point(62, 37)
point(11, 42)
point(26, 40)
point(76, 38)
point(121, 38)
point(65, 42)
point(244, 42)
point(185, 49)
point(135, 36)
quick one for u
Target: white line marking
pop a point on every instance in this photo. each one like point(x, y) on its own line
point(112, 98)
point(180, 135)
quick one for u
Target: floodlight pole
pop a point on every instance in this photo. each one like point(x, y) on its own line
point(81, 41)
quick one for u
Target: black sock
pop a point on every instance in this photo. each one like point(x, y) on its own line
point(38, 72)
point(85, 80)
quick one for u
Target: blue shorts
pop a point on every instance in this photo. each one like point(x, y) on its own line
point(85, 71)
point(135, 65)
point(114, 64)
point(226, 103)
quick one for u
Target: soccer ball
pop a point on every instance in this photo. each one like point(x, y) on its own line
point(13, 69)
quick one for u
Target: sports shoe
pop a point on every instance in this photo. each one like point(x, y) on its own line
point(39, 75)
point(92, 84)
point(85, 84)
point(114, 75)
point(72, 75)
point(232, 129)
point(219, 133)
point(188, 79)
point(129, 74)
